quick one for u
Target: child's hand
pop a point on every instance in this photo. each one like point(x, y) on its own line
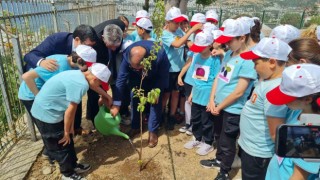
point(66, 139)
point(211, 106)
point(216, 111)
point(180, 82)
point(196, 27)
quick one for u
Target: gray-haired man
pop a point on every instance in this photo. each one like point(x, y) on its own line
point(109, 44)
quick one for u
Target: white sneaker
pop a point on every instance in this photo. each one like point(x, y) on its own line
point(191, 144)
point(73, 177)
point(189, 132)
point(204, 149)
point(183, 129)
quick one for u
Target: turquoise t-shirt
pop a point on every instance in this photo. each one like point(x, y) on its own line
point(24, 91)
point(56, 94)
point(135, 36)
point(204, 72)
point(232, 69)
point(129, 37)
point(175, 55)
point(254, 130)
point(188, 76)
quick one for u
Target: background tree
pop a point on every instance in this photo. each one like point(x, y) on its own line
point(292, 19)
point(201, 4)
point(181, 4)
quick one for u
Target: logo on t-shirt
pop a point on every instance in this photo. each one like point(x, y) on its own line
point(201, 72)
point(254, 97)
point(226, 72)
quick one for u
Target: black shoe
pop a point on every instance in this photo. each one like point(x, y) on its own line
point(74, 176)
point(170, 123)
point(222, 176)
point(81, 168)
point(210, 163)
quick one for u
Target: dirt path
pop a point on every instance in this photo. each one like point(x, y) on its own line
point(113, 158)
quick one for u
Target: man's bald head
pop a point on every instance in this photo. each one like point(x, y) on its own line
point(136, 56)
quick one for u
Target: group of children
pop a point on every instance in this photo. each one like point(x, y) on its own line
point(239, 87)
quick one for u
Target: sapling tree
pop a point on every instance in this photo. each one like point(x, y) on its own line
point(151, 97)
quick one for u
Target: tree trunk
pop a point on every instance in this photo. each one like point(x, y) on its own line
point(146, 5)
point(181, 4)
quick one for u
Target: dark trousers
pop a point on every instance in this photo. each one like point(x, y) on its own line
point(77, 119)
point(226, 145)
point(202, 123)
point(154, 114)
point(253, 168)
point(64, 155)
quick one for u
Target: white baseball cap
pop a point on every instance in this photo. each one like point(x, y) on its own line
point(233, 28)
point(198, 18)
point(186, 18)
point(174, 14)
point(285, 33)
point(145, 23)
point(141, 14)
point(125, 45)
point(268, 48)
point(248, 20)
point(298, 80)
point(212, 16)
point(217, 33)
point(209, 28)
point(224, 24)
point(102, 72)
point(87, 53)
point(318, 33)
point(201, 41)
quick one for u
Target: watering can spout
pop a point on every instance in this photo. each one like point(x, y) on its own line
point(108, 125)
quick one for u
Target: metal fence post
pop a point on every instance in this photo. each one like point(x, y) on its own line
point(17, 56)
point(263, 14)
point(78, 6)
point(7, 103)
point(54, 17)
point(302, 18)
point(220, 18)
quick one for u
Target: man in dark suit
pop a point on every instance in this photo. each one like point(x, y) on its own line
point(131, 72)
point(109, 43)
point(61, 43)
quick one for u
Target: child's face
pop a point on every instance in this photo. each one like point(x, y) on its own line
point(140, 31)
point(236, 43)
point(206, 50)
point(263, 68)
point(173, 26)
point(184, 26)
point(296, 104)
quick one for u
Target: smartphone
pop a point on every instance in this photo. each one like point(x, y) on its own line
point(298, 141)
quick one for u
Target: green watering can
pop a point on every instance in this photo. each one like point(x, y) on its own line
point(106, 124)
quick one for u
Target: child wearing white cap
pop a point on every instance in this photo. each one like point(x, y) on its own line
point(134, 35)
point(212, 17)
point(144, 28)
point(174, 40)
point(184, 25)
point(299, 90)
point(204, 69)
point(54, 112)
point(285, 33)
point(229, 93)
point(269, 56)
